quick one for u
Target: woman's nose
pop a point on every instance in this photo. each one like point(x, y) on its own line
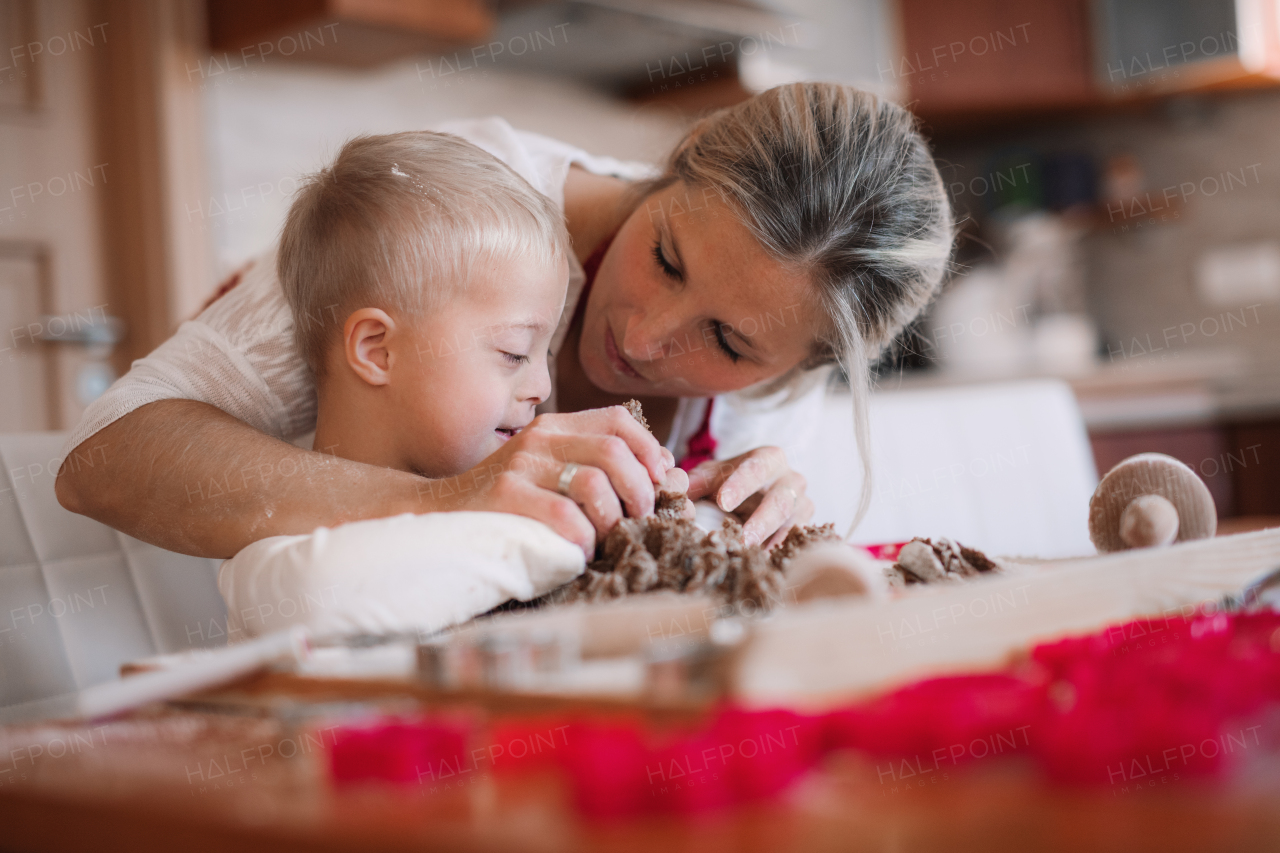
point(649, 335)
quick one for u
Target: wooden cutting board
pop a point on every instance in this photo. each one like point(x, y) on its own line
point(822, 654)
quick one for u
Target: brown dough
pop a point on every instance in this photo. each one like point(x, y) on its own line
point(933, 560)
point(653, 553)
point(667, 551)
point(633, 406)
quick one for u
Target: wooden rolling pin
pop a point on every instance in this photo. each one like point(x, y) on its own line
point(1150, 500)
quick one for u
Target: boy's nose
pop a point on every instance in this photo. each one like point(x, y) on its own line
point(537, 386)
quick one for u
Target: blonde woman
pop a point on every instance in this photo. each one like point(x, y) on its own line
point(804, 227)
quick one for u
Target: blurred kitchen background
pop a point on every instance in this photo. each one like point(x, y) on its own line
point(1115, 165)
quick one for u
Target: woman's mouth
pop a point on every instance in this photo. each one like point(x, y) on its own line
point(506, 433)
point(619, 363)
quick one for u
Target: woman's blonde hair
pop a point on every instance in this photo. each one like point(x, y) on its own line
point(838, 183)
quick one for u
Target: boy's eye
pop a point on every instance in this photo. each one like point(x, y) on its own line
point(514, 359)
point(661, 259)
point(733, 354)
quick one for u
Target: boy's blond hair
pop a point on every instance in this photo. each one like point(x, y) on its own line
point(396, 222)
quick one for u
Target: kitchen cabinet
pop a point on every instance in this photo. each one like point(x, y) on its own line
point(1153, 47)
point(989, 59)
point(350, 32)
point(1257, 482)
point(989, 55)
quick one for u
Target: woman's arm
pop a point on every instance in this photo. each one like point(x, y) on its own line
point(188, 477)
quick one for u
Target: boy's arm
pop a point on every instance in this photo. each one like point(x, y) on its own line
point(188, 477)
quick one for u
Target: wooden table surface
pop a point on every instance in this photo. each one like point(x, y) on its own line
point(182, 780)
point(246, 769)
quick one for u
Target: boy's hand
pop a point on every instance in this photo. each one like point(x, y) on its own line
point(618, 461)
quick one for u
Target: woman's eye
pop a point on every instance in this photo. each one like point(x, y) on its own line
point(724, 342)
point(514, 359)
point(667, 269)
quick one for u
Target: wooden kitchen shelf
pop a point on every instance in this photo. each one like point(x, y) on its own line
point(348, 32)
point(989, 63)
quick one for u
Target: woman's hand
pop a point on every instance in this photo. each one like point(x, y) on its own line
point(619, 464)
point(760, 489)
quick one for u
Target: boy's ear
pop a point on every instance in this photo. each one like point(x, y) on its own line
point(365, 344)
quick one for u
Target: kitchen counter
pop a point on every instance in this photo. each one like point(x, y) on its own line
point(1191, 388)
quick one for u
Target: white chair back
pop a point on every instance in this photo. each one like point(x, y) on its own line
point(1003, 467)
point(78, 598)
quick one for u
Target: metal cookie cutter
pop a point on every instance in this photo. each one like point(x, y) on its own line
point(494, 660)
point(1262, 593)
point(695, 670)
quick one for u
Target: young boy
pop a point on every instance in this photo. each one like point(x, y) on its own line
point(425, 279)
